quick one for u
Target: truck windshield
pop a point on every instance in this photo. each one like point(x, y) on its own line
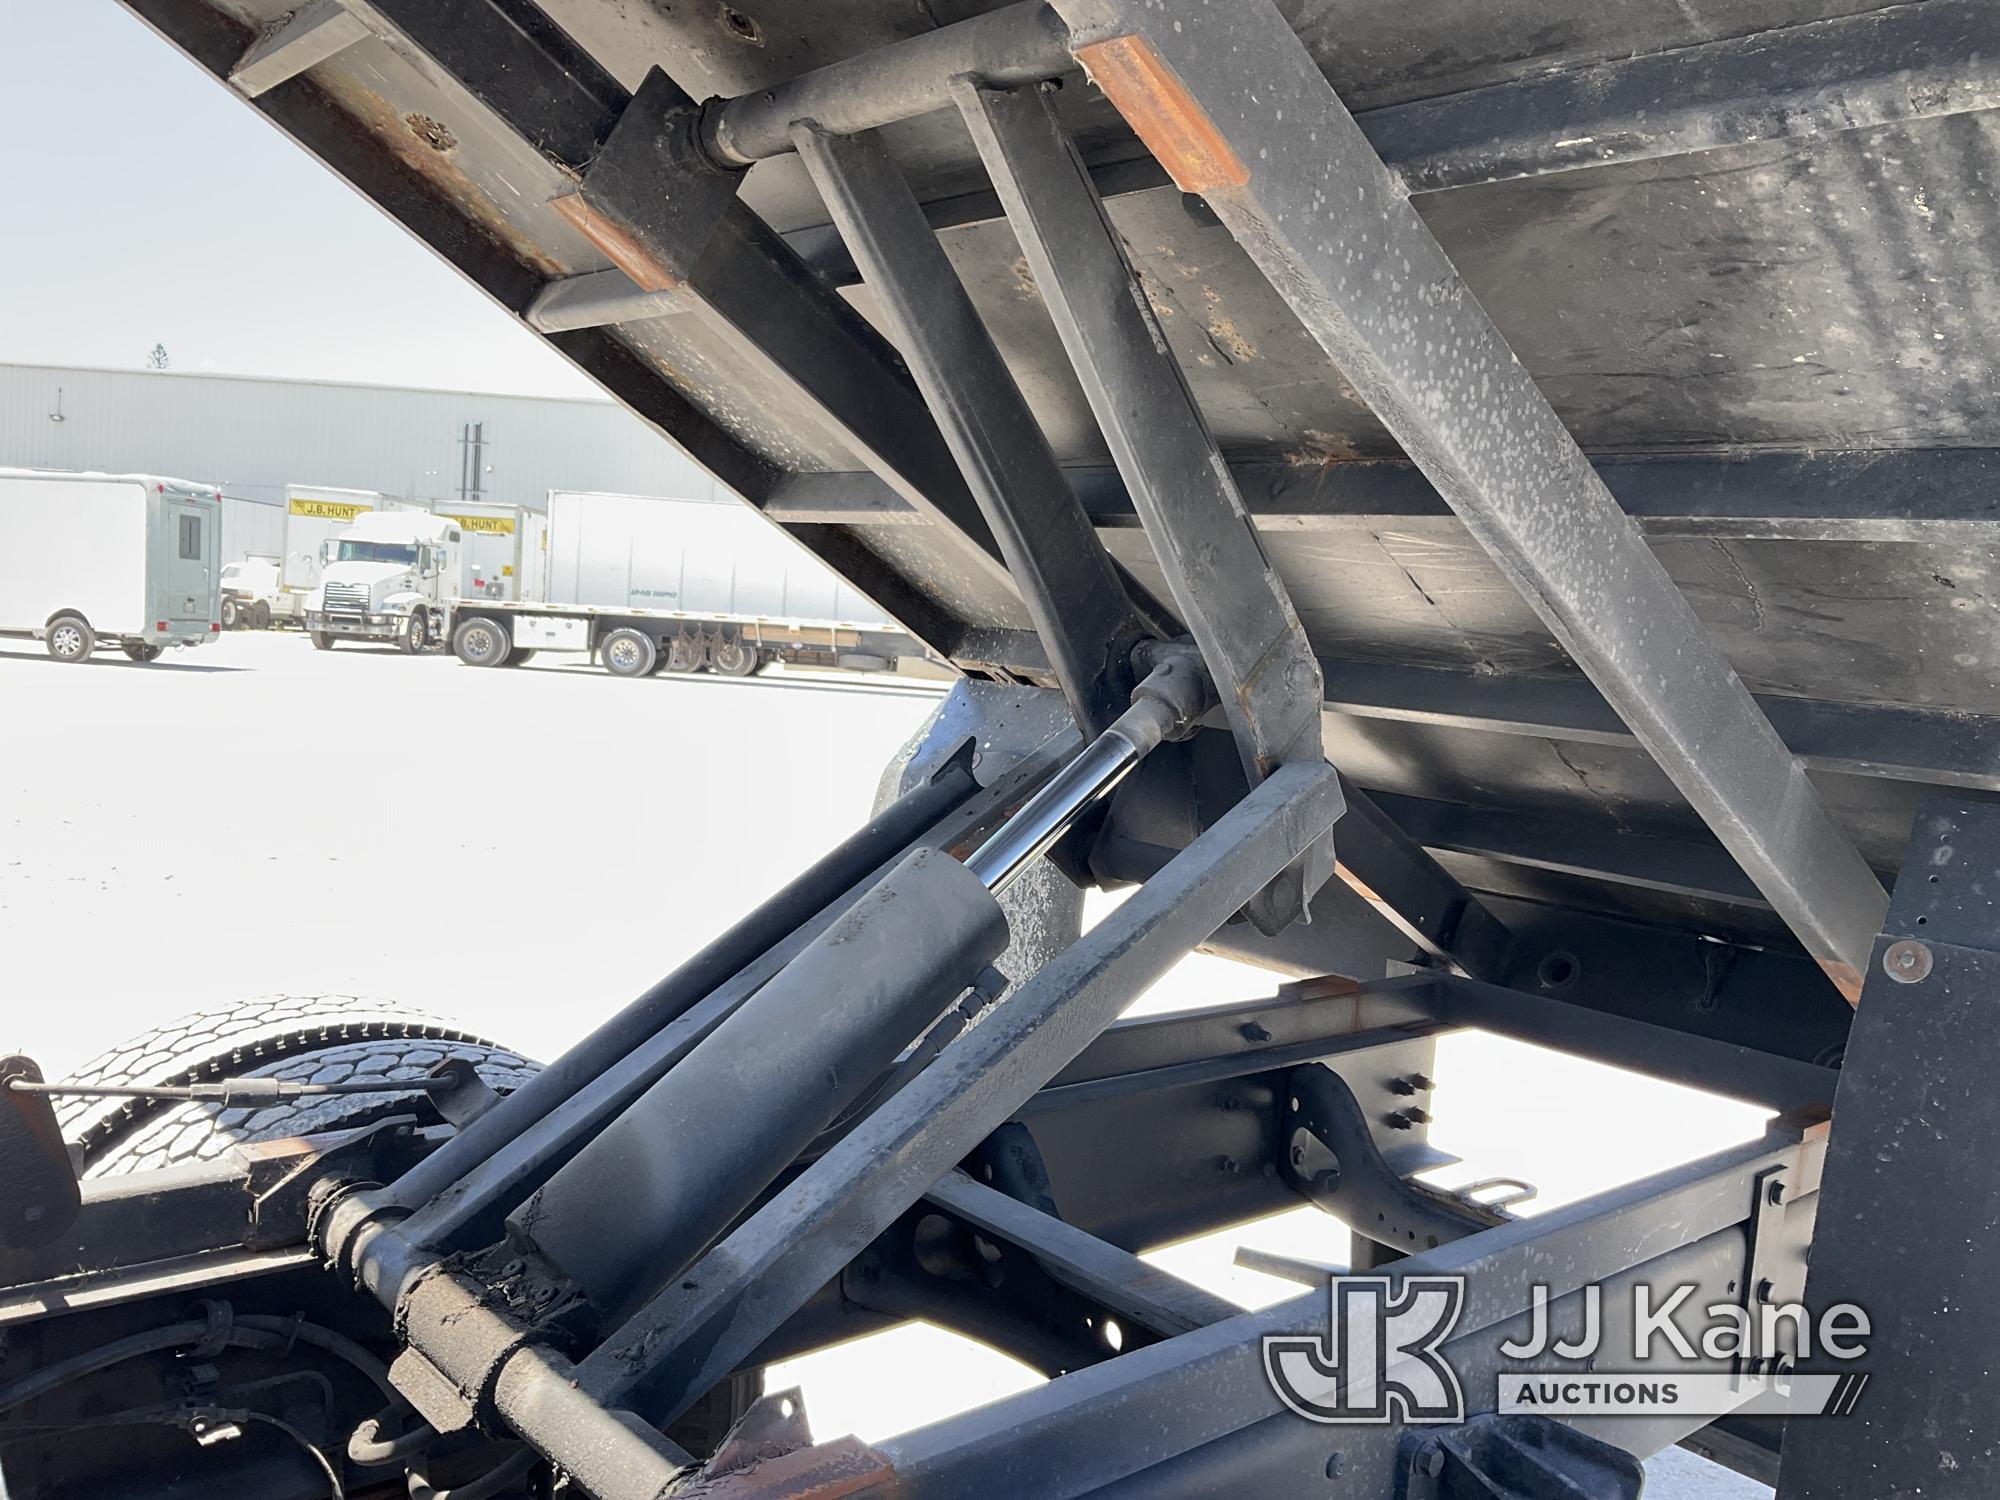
point(388, 552)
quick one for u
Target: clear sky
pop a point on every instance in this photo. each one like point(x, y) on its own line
point(146, 204)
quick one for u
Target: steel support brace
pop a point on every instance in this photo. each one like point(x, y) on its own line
point(1223, 586)
point(1231, 102)
point(695, 1333)
point(1910, 1204)
point(1079, 603)
point(1115, 1279)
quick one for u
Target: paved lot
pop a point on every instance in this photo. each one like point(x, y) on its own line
point(520, 852)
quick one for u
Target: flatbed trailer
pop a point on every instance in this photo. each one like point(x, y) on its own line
point(1518, 489)
point(640, 642)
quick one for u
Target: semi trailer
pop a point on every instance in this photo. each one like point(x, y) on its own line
point(1488, 518)
point(108, 561)
point(507, 549)
point(648, 584)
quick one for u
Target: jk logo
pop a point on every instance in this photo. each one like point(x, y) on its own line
point(1379, 1360)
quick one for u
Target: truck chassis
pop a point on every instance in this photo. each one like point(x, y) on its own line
point(859, 1106)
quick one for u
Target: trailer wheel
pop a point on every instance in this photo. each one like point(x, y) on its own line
point(628, 653)
point(480, 642)
point(321, 640)
point(142, 650)
point(320, 1038)
point(231, 612)
point(734, 658)
point(685, 653)
point(70, 638)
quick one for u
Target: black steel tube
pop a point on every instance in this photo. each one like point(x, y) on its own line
point(865, 850)
point(1021, 44)
point(635, 1207)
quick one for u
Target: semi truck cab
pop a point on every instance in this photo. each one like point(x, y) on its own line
point(388, 577)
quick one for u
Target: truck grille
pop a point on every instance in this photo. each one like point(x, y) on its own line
point(346, 598)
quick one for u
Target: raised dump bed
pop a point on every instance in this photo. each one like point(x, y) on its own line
point(1512, 483)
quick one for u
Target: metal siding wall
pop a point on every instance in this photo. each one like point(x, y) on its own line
point(254, 437)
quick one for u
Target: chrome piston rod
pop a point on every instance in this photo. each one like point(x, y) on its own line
point(1173, 694)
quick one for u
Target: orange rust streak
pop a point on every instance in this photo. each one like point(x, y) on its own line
point(1356, 884)
point(619, 245)
point(1846, 978)
point(1159, 108)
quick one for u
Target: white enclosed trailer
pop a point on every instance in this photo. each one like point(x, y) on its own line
point(95, 560)
point(508, 546)
point(679, 584)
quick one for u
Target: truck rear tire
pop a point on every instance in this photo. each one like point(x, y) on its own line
point(70, 638)
point(321, 640)
point(737, 658)
point(321, 1038)
point(481, 642)
point(231, 613)
point(260, 616)
point(520, 656)
point(628, 653)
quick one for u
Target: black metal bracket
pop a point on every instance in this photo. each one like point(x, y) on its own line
point(1331, 1158)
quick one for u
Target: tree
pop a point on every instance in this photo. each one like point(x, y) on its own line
point(158, 359)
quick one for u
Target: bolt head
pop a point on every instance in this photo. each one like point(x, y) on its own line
point(1431, 1460)
point(1775, 1193)
point(1907, 961)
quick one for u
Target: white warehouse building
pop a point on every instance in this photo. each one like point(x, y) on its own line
point(250, 438)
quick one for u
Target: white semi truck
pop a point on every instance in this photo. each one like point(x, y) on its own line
point(390, 576)
point(258, 592)
point(647, 584)
point(88, 561)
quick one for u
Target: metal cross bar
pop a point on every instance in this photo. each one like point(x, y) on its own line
point(1906, 62)
point(694, 1333)
point(1946, 496)
point(1015, 44)
point(1294, 179)
point(1118, 1280)
point(1784, 1084)
point(1931, 745)
point(1074, 592)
